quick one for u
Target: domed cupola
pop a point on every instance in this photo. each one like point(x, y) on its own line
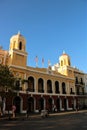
point(64, 60)
point(17, 42)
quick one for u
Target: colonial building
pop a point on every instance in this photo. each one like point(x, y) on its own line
point(85, 81)
point(60, 85)
point(65, 68)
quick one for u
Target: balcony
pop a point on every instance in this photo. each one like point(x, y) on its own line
point(79, 83)
point(80, 93)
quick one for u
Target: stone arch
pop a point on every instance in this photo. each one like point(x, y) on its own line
point(30, 104)
point(17, 102)
point(49, 86)
point(58, 104)
point(30, 84)
point(65, 104)
point(63, 88)
point(41, 103)
point(50, 104)
point(40, 85)
point(57, 87)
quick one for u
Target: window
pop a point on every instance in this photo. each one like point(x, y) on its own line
point(31, 84)
point(69, 62)
point(49, 86)
point(61, 63)
point(40, 85)
point(63, 88)
point(76, 80)
point(81, 81)
point(20, 46)
point(71, 91)
point(56, 87)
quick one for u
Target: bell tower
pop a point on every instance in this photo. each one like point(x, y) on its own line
point(64, 60)
point(65, 65)
point(17, 51)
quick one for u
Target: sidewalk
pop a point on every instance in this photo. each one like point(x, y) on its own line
point(35, 116)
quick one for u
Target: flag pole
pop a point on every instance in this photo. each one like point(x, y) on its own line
point(42, 62)
point(36, 60)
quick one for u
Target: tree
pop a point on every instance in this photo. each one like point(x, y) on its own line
point(7, 78)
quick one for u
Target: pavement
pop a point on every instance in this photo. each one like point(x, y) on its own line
point(33, 116)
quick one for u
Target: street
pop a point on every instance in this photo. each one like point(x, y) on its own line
point(62, 122)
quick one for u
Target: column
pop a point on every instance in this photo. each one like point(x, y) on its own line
point(45, 86)
point(53, 87)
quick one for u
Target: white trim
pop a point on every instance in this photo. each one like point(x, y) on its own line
point(50, 94)
point(21, 53)
point(18, 67)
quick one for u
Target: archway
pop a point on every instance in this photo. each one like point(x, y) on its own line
point(56, 87)
point(30, 104)
point(63, 88)
point(65, 104)
point(49, 86)
point(41, 104)
point(31, 84)
point(50, 104)
point(58, 104)
point(17, 102)
point(40, 85)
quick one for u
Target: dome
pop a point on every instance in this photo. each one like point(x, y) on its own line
point(17, 42)
point(17, 36)
point(64, 55)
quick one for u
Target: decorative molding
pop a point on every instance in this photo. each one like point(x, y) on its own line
point(20, 53)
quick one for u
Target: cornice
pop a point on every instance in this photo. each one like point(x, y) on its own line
point(35, 71)
point(17, 52)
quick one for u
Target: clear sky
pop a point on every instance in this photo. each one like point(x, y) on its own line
point(49, 26)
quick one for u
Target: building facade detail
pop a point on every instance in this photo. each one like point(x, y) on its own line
point(61, 85)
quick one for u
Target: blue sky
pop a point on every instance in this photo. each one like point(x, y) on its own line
point(49, 26)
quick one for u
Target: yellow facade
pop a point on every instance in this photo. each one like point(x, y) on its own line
point(17, 61)
point(41, 81)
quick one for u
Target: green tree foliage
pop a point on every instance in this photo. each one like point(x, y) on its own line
point(7, 79)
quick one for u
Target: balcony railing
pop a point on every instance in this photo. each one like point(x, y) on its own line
point(79, 83)
point(72, 92)
point(81, 93)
